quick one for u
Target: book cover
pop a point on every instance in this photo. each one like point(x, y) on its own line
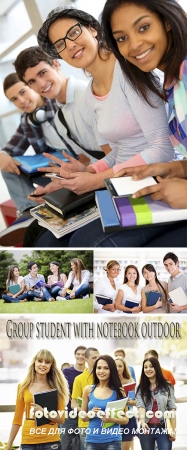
point(131, 304)
point(129, 387)
point(117, 405)
point(49, 400)
point(14, 288)
point(57, 225)
point(79, 401)
point(178, 296)
point(152, 297)
point(67, 203)
point(125, 186)
point(103, 299)
point(30, 163)
point(108, 215)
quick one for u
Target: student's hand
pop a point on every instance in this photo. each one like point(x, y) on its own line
point(51, 187)
point(8, 164)
point(158, 304)
point(78, 182)
point(72, 166)
point(36, 407)
point(175, 308)
point(136, 309)
point(166, 170)
point(172, 192)
point(145, 427)
point(109, 307)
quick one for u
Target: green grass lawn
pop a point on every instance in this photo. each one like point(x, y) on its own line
point(78, 306)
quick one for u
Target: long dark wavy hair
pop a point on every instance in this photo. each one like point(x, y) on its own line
point(131, 266)
point(167, 10)
point(151, 268)
point(11, 276)
point(56, 263)
point(161, 383)
point(114, 380)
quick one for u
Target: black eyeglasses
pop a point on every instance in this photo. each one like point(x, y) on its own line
point(72, 34)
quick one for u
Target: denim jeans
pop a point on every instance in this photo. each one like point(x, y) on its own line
point(48, 293)
point(148, 441)
point(56, 445)
point(70, 441)
point(80, 292)
point(32, 294)
point(114, 445)
point(10, 299)
point(92, 235)
point(20, 186)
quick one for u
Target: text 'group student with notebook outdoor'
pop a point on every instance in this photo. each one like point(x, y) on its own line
point(123, 105)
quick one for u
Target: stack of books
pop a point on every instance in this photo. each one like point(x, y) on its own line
point(119, 211)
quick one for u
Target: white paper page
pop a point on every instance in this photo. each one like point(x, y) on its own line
point(128, 186)
point(178, 296)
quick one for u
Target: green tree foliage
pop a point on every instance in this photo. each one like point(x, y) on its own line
point(43, 257)
point(6, 259)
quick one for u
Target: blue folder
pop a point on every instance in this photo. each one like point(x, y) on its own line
point(31, 163)
point(152, 297)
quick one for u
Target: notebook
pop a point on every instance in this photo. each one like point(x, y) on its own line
point(67, 203)
point(124, 186)
point(129, 386)
point(103, 299)
point(121, 213)
point(131, 304)
point(30, 163)
point(49, 400)
point(118, 405)
point(152, 297)
point(14, 288)
point(178, 296)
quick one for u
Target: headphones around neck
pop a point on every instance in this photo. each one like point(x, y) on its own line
point(37, 117)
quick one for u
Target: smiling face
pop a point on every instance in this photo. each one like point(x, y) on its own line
point(42, 366)
point(80, 53)
point(23, 97)
point(149, 276)
point(114, 271)
point(171, 267)
point(80, 357)
point(141, 36)
point(53, 267)
point(46, 80)
point(102, 370)
point(131, 275)
point(149, 370)
point(74, 267)
point(16, 272)
point(120, 367)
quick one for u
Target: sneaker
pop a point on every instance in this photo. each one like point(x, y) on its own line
point(37, 299)
point(60, 298)
point(51, 299)
point(86, 296)
point(14, 234)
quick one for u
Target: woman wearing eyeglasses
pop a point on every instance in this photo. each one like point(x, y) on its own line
point(129, 295)
point(136, 132)
point(107, 286)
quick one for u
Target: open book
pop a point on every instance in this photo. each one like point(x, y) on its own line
point(114, 407)
point(55, 223)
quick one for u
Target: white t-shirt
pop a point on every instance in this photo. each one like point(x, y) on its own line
point(104, 287)
point(85, 275)
point(129, 294)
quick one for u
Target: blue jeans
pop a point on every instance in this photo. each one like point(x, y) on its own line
point(48, 293)
point(148, 441)
point(56, 445)
point(20, 186)
point(32, 294)
point(80, 292)
point(10, 299)
point(92, 235)
point(114, 445)
point(70, 441)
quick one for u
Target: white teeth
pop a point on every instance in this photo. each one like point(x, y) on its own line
point(48, 88)
point(143, 54)
point(77, 54)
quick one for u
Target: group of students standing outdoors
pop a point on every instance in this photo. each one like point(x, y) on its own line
point(34, 288)
point(122, 108)
point(104, 379)
point(131, 290)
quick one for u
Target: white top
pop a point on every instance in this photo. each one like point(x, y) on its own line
point(128, 123)
point(20, 278)
point(85, 275)
point(85, 135)
point(129, 294)
point(104, 287)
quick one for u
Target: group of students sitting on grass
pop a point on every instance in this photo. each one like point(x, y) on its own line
point(32, 287)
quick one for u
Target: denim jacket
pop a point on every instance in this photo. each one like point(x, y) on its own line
point(165, 401)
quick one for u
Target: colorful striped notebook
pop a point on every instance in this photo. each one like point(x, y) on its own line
point(120, 213)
